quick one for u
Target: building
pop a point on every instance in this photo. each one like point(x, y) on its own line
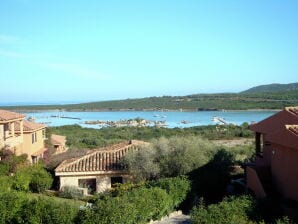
point(59, 143)
point(98, 170)
point(21, 136)
point(275, 170)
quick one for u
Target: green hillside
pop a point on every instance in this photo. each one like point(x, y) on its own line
point(275, 87)
point(225, 101)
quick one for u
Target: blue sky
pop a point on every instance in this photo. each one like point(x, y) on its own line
point(54, 50)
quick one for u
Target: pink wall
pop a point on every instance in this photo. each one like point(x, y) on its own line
point(284, 168)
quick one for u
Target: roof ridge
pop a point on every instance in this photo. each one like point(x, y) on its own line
point(115, 148)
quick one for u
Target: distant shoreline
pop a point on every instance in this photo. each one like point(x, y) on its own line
point(132, 110)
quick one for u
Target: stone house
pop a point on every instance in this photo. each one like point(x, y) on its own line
point(21, 136)
point(274, 172)
point(98, 170)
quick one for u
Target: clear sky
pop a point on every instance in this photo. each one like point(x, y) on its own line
point(78, 50)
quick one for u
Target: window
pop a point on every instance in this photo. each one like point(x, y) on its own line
point(34, 137)
point(90, 184)
point(44, 134)
point(116, 180)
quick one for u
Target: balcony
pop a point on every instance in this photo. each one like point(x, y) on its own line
point(13, 141)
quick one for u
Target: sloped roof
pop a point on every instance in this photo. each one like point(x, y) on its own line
point(104, 159)
point(58, 139)
point(6, 115)
point(287, 136)
point(288, 116)
point(29, 126)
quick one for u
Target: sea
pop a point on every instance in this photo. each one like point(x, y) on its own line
point(171, 119)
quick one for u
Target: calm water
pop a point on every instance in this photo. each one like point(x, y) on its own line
point(173, 119)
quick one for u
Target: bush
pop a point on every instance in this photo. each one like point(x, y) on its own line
point(231, 210)
point(5, 183)
point(41, 180)
point(136, 206)
point(47, 211)
point(177, 188)
point(34, 178)
point(137, 203)
point(71, 192)
point(169, 157)
point(10, 206)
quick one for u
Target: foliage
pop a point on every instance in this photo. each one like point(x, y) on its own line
point(17, 208)
point(176, 187)
point(10, 162)
point(47, 211)
point(71, 192)
point(78, 137)
point(34, 178)
point(231, 210)
point(137, 203)
point(5, 183)
point(10, 205)
point(41, 180)
point(168, 157)
point(210, 180)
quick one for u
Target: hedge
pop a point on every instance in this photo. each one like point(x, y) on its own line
point(138, 205)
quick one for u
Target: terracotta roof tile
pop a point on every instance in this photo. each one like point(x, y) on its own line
point(104, 159)
point(293, 129)
point(6, 115)
point(293, 110)
point(58, 139)
point(29, 126)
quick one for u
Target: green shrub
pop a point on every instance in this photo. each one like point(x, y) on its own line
point(10, 206)
point(169, 157)
point(5, 183)
point(231, 210)
point(41, 180)
point(34, 178)
point(21, 179)
point(177, 188)
point(71, 192)
point(47, 211)
point(137, 203)
point(136, 206)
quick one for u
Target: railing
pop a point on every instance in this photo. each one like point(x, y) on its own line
point(13, 141)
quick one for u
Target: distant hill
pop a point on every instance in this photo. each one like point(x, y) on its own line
point(274, 96)
point(275, 87)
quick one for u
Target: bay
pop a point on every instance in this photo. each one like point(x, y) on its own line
point(171, 118)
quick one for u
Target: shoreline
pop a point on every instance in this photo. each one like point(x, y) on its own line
point(135, 110)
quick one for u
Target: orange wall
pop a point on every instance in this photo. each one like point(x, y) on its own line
point(27, 147)
point(284, 162)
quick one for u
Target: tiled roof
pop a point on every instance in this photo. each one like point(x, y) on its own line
point(104, 159)
point(293, 110)
point(288, 116)
point(29, 126)
point(293, 129)
point(6, 115)
point(58, 139)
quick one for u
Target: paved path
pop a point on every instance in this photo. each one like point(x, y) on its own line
point(176, 219)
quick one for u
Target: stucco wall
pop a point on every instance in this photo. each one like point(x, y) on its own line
point(103, 182)
point(29, 148)
point(284, 169)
